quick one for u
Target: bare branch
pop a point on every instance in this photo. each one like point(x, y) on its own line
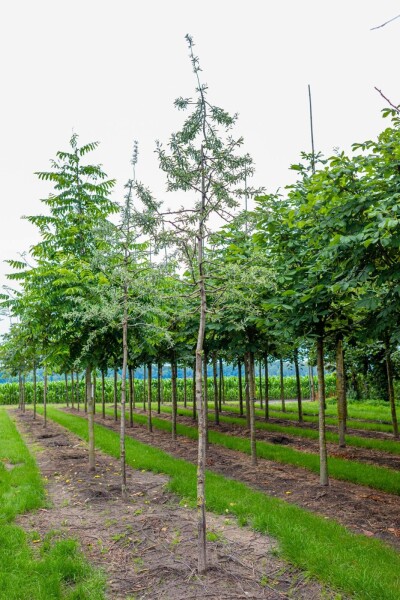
point(396, 108)
point(383, 24)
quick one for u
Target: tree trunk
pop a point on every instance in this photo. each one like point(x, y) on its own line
point(323, 468)
point(19, 390)
point(247, 390)
point(78, 396)
point(215, 380)
point(122, 445)
point(205, 394)
point(115, 395)
point(239, 366)
point(221, 384)
point(194, 392)
point(184, 387)
point(72, 390)
point(34, 390)
point(266, 387)
point(250, 361)
point(85, 396)
point(23, 393)
point(66, 389)
point(341, 391)
point(45, 397)
point(298, 385)
point(131, 395)
point(260, 383)
point(103, 395)
point(89, 396)
point(159, 384)
point(144, 388)
point(149, 397)
point(94, 390)
point(174, 398)
point(389, 371)
point(282, 385)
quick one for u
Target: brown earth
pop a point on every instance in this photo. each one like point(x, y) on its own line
point(146, 544)
point(359, 508)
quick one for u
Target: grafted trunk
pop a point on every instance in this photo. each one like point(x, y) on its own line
point(282, 387)
point(298, 385)
point(340, 391)
point(323, 458)
point(149, 397)
point(89, 396)
point(174, 398)
point(215, 383)
point(131, 395)
point(240, 385)
point(250, 361)
point(66, 389)
point(266, 387)
point(389, 371)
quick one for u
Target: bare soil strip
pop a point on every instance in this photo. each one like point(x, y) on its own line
point(147, 544)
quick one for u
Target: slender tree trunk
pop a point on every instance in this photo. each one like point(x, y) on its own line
point(45, 397)
point(184, 387)
point(159, 384)
point(194, 392)
point(85, 396)
point(103, 395)
point(34, 390)
point(389, 371)
point(133, 390)
point(94, 390)
point(78, 396)
point(23, 393)
point(314, 395)
point(122, 445)
point(205, 394)
point(149, 397)
point(72, 390)
point(298, 385)
point(340, 391)
point(174, 398)
point(221, 384)
point(215, 380)
point(131, 394)
point(144, 388)
point(19, 390)
point(252, 390)
point(240, 386)
point(260, 383)
point(66, 389)
point(323, 458)
point(266, 391)
point(247, 390)
point(90, 409)
point(115, 395)
point(282, 385)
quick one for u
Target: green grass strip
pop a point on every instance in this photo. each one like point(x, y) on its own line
point(380, 478)
point(389, 446)
point(56, 569)
point(355, 564)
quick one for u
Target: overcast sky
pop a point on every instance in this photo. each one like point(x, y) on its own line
point(110, 71)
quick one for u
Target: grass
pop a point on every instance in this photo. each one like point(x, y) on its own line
point(380, 478)
point(51, 569)
point(354, 564)
point(391, 446)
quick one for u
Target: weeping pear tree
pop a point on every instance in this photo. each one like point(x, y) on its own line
point(204, 160)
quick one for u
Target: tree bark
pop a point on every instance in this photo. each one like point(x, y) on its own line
point(389, 371)
point(72, 390)
point(89, 397)
point(205, 395)
point(78, 396)
point(103, 395)
point(250, 361)
point(149, 397)
point(260, 383)
point(194, 392)
point(45, 397)
point(174, 398)
point(159, 386)
point(340, 391)
point(34, 390)
point(94, 390)
point(66, 389)
point(247, 390)
point(239, 366)
point(266, 387)
point(215, 382)
point(221, 384)
point(323, 468)
point(115, 395)
point(131, 395)
point(298, 385)
point(144, 388)
point(184, 387)
point(282, 387)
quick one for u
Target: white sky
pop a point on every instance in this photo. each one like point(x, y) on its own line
point(110, 71)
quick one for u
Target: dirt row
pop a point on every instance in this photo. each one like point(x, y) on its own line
point(146, 544)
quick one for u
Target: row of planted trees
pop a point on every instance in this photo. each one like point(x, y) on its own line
point(310, 273)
